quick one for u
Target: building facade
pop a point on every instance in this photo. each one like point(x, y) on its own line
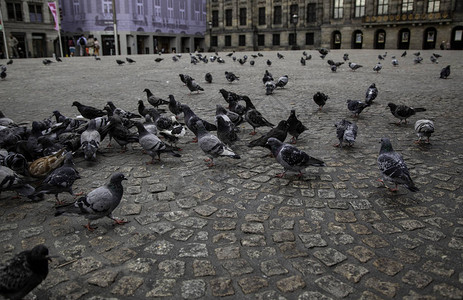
point(32, 24)
point(143, 26)
point(305, 24)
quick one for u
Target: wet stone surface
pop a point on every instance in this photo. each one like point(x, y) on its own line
point(235, 231)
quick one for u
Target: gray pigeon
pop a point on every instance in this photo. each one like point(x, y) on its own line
point(282, 81)
point(90, 141)
point(372, 93)
point(60, 180)
point(393, 168)
point(356, 107)
point(226, 130)
point(211, 145)
point(424, 128)
point(346, 132)
point(191, 119)
point(291, 158)
point(354, 66)
point(98, 203)
point(152, 144)
point(230, 76)
point(270, 86)
point(192, 85)
point(10, 181)
point(22, 273)
point(403, 112)
point(378, 67)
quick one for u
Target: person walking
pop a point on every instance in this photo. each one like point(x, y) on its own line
point(13, 45)
point(91, 45)
point(82, 42)
point(72, 47)
point(96, 45)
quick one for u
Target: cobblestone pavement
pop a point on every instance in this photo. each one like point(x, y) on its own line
point(235, 231)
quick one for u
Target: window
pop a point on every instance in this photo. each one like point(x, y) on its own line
point(228, 17)
point(215, 18)
point(309, 38)
point(293, 10)
point(182, 10)
point(140, 10)
point(359, 8)
point(338, 9)
point(276, 39)
point(197, 11)
point(170, 9)
point(228, 41)
point(14, 11)
point(242, 40)
point(311, 13)
point(407, 6)
point(261, 15)
point(277, 15)
point(157, 8)
point(243, 16)
point(261, 40)
point(214, 42)
point(107, 7)
point(76, 7)
point(35, 13)
point(291, 39)
point(383, 7)
point(433, 6)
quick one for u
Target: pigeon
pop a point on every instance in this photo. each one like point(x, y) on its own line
point(149, 125)
point(354, 66)
point(436, 55)
point(191, 119)
point(267, 77)
point(47, 62)
point(279, 132)
point(90, 141)
point(252, 62)
point(152, 144)
point(120, 133)
point(260, 54)
point(173, 133)
point(417, 53)
point(3, 74)
point(445, 72)
point(337, 64)
point(323, 51)
point(269, 62)
point(120, 62)
point(208, 77)
point(220, 60)
point(403, 112)
point(296, 128)
point(237, 108)
point(192, 85)
point(280, 56)
point(346, 132)
point(434, 59)
point(356, 107)
point(25, 271)
point(230, 54)
point(183, 78)
point(291, 158)
point(231, 77)
point(394, 61)
point(282, 81)
point(129, 60)
point(226, 129)
point(302, 61)
point(10, 181)
point(417, 60)
point(99, 203)
point(88, 112)
point(333, 68)
point(380, 57)
point(174, 58)
point(345, 56)
point(60, 180)
point(58, 59)
point(143, 110)
point(49, 147)
point(175, 107)
point(424, 128)
point(42, 166)
point(97, 58)
point(371, 94)
point(254, 117)
point(153, 100)
point(10, 62)
point(211, 145)
point(377, 67)
point(15, 161)
point(404, 54)
point(270, 86)
point(393, 168)
point(320, 99)
point(120, 112)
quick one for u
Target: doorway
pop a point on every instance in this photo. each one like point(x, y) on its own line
point(404, 39)
point(429, 38)
point(380, 39)
point(357, 39)
point(336, 40)
point(107, 42)
point(456, 41)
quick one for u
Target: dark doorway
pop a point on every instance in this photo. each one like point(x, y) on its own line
point(429, 38)
point(380, 39)
point(39, 45)
point(456, 42)
point(336, 40)
point(357, 39)
point(22, 49)
point(142, 44)
point(161, 44)
point(107, 42)
point(404, 39)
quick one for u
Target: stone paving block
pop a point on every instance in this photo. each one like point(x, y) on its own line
point(361, 253)
point(205, 210)
point(193, 289)
point(127, 285)
point(254, 227)
point(345, 217)
point(309, 266)
point(448, 291)
point(224, 225)
point(86, 265)
point(221, 287)
point(312, 295)
point(193, 250)
point(352, 272)
point(360, 229)
point(160, 247)
point(229, 252)
point(272, 268)
point(388, 266)
point(375, 241)
point(237, 267)
point(330, 256)
point(162, 288)
point(386, 288)
point(283, 236)
point(203, 268)
point(334, 286)
point(290, 212)
point(103, 278)
point(172, 268)
point(290, 284)
point(417, 279)
point(252, 284)
point(181, 234)
point(438, 268)
point(253, 240)
point(140, 265)
point(406, 256)
point(71, 291)
point(312, 240)
point(119, 255)
point(386, 228)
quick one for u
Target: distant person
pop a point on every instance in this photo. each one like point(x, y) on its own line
point(82, 42)
point(13, 45)
point(442, 45)
point(72, 47)
point(97, 47)
point(91, 45)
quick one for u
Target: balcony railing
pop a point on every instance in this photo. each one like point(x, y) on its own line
point(408, 18)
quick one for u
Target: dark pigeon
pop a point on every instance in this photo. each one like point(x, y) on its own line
point(88, 112)
point(445, 72)
point(231, 76)
point(393, 168)
point(403, 112)
point(191, 120)
point(371, 94)
point(291, 158)
point(208, 77)
point(99, 203)
point(10, 181)
point(296, 128)
point(280, 132)
point(320, 99)
point(175, 107)
point(153, 100)
point(254, 117)
point(129, 60)
point(25, 271)
point(226, 129)
point(356, 107)
point(120, 62)
point(192, 85)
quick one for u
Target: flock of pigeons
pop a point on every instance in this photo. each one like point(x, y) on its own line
point(45, 151)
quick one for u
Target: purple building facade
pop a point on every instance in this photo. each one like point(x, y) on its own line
point(143, 26)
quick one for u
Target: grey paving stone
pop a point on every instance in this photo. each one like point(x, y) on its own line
point(330, 256)
point(334, 286)
point(193, 289)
